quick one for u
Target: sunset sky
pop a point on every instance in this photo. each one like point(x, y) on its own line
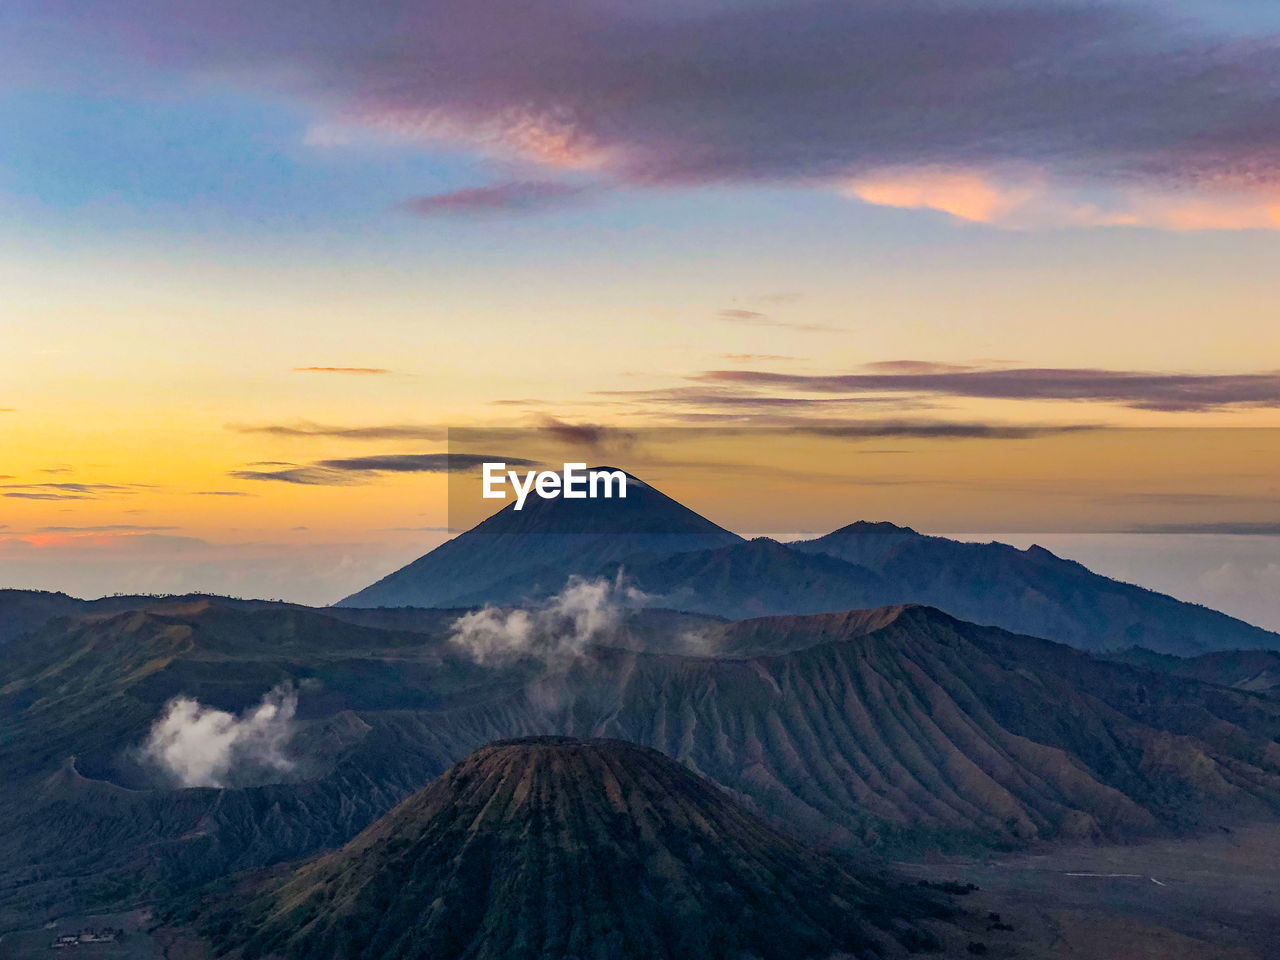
point(996, 267)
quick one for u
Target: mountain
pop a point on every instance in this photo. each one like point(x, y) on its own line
point(751, 579)
point(26, 611)
point(1257, 671)
point(895, 730)
point(546, 848)
point(517, 555)
point(1032, 591)
point(22, 611)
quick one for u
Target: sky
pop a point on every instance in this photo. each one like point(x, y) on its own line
point(967, 265)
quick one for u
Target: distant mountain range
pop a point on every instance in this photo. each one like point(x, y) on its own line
point(547, 848)
point(686, 562)
point(893, 729)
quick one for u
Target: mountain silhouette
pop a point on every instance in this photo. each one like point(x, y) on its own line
point(1032, 591)
point(553, 848)
point(528, 554)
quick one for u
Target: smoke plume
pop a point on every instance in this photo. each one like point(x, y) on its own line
point(198, 746)
point(584, 612)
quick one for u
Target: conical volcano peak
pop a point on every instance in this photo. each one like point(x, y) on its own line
point(612, 508)
point(516, 556)
point(551, 847)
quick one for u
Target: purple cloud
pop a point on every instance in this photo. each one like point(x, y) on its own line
point(68, 491)
point(304, 428)
point(346, 471)
point(1141, 390)
point(1111, 95)
point(417, 462)
point(503, 199)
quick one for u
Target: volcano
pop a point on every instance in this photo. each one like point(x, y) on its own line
point(520, 555)
point(546, 848)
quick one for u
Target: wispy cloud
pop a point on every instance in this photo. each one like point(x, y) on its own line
point(83, 487)
point(220, 493)
point(702, 400)
point(37, 495)
point(928, 429)
point(759, 318)
point(359, 371)
point(346, 471)
point(1137, 389)
point(416, 462)
point(743, 316)
point(764, 426)
point(68, 491)
point(302, 476)
point(305, 428)
point(513, 198)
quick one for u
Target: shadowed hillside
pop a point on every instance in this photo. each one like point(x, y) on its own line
point(548, 848)
point(1255, 670)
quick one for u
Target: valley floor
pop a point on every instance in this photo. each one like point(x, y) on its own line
point(1215, 897)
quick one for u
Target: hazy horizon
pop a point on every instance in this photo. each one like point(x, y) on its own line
point(1236, 574)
